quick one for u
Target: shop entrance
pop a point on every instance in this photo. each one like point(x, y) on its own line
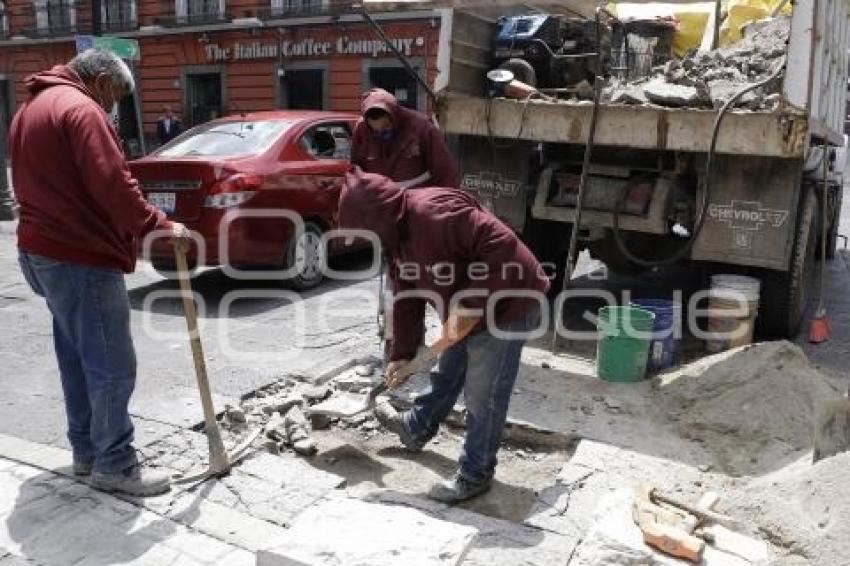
point(303, 89)
point(203, 97)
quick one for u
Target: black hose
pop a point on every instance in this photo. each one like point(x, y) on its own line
point(703, 209)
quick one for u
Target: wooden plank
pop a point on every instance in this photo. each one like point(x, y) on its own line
point(753, 133)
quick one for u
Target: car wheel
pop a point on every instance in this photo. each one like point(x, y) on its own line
point(306, 254)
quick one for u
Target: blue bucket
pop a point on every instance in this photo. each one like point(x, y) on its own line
point(662, 348)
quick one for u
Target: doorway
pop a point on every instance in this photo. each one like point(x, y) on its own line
point(397, 81)
point(204, 97)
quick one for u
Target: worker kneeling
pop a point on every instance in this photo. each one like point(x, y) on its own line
point(442, 247)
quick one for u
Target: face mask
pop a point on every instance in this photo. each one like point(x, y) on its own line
point(384, 135)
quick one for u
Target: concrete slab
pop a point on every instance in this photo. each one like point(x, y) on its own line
point(356, 533)
point(498, 541)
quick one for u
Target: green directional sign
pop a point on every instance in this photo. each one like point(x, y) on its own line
point(124, 48)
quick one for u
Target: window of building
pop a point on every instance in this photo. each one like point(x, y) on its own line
point(199, 11)
point(303, 88)
point(60, 15)
point(4, 22)
point(118, 15)
point(394, 78)
point(291, 7)
point(204, 97)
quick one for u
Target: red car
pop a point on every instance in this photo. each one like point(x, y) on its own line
point(248, 170)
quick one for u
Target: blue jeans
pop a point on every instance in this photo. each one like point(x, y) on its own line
point(94, 350)
point(485, 369)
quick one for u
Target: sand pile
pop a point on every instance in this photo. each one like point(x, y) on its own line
point(803, 510)
point(752, 409)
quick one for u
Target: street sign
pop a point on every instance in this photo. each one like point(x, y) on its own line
point(124, 48)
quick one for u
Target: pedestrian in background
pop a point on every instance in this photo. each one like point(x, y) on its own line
point(401, 144)
point(81, 218)
point(168, 126)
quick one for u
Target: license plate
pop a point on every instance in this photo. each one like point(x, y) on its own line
point(163, 201)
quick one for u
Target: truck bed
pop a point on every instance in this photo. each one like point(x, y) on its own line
point(771, 134)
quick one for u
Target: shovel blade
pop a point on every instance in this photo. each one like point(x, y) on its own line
point(832, 429)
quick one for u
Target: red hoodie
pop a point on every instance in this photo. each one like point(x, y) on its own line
point(78, 201)
point(432, 237)
point(417, 151)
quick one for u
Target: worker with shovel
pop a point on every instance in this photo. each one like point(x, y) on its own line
point(81, 217)
point(444, 249)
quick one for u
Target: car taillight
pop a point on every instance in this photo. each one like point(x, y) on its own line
point(233, 191)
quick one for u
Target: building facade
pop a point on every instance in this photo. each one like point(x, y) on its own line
point(209, 58)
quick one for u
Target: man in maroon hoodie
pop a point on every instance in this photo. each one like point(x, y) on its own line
point(81, 217)
point(444, 249)
point(401, 144)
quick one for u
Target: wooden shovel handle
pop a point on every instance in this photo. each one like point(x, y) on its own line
point(449, 337)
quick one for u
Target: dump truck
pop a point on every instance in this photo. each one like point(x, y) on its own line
point(663, 185)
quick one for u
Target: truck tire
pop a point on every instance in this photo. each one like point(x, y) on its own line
point(549, 242)
point(783, 294)
point(832, 235)
point(522, 70)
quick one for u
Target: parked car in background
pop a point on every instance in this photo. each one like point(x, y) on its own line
point(264, 161)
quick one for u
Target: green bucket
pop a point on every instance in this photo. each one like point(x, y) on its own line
point(623, 347)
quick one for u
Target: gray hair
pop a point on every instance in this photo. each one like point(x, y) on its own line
point(94, 62)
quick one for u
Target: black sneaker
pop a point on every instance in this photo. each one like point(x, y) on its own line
point(393, 421)
point(458, 489)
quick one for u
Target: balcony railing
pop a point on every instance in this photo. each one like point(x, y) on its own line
point(197, 19)
point(115, 26)
point(305, 9)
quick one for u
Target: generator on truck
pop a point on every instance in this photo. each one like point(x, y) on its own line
point(734, 190)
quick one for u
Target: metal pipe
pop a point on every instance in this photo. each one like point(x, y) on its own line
point(569, 268)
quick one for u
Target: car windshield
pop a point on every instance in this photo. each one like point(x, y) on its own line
point(226, 139)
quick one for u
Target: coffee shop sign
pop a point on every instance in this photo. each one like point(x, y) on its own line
point(309, 47)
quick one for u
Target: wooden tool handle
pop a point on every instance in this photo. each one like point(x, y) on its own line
point(449, 337)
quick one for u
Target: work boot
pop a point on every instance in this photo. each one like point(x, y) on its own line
point(394, 422)
point(132, 481)
point(458, 489)
point(82, 468)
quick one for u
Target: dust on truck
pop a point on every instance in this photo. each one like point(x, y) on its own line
point(647, 185)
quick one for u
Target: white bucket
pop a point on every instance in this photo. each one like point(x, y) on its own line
point(732, 310)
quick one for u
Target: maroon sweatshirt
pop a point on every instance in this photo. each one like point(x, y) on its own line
point(439, 240)
point(78, 201)
point(417, 151)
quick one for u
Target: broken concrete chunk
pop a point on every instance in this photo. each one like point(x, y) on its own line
point(319, 421)
point(305, 446)
point(234, 415)
point(665, 94)
point(628, 94)
point(316, 393)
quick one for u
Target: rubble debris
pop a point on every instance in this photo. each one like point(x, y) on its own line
point(708, 79)
point(365, 370)
point(298, 432)
point(316, 393)
point(670, 94)
point(234, 415)
point(319, 421)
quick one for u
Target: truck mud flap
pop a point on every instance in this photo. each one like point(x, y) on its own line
point(751, 213)
point(497, 172)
